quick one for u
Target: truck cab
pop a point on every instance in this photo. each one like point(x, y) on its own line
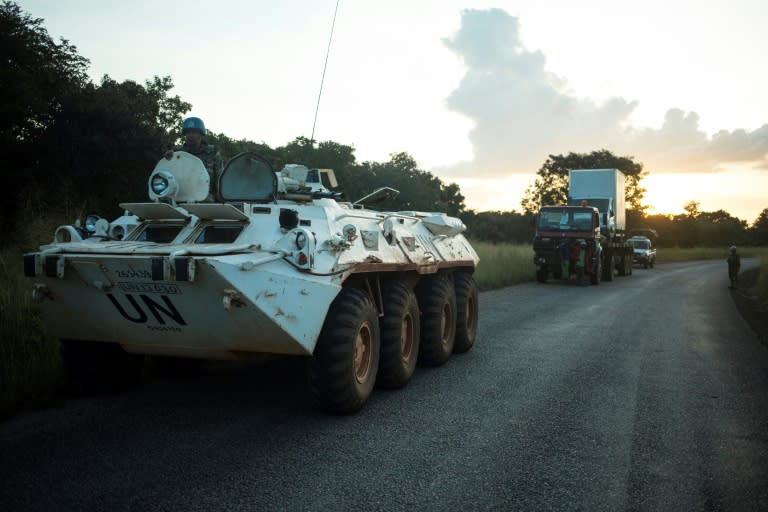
point(558, 231)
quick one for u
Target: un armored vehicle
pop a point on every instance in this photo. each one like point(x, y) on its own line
point(271, 262)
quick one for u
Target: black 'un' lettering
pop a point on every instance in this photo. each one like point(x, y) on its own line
point(142, 316)
point(169, 310)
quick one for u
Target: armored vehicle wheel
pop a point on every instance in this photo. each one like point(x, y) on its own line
point(466, 311)
point(96, 367)
point(541, 275)
point(346, 359)
point(400, 335)
point(437, 302)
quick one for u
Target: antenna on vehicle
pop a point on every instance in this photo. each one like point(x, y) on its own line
point(328, 51)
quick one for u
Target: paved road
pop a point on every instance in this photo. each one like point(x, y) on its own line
point(648, 393)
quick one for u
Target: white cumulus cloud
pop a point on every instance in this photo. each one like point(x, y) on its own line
point(522, 113)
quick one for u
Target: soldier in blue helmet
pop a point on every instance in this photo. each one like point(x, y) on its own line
point(194, 133)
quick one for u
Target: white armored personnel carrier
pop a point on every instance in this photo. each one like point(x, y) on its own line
point(274, 264)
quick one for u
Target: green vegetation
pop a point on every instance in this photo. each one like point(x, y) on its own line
point(503, 264)
point(30, 368)
point(671, 255)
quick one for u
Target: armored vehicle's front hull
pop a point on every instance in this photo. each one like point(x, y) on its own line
point(225, 312)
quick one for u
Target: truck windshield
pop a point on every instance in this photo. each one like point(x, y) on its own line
point(640, 244)
point(565, 219)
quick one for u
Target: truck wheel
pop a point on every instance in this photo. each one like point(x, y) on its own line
point(623, 266)
point(99, 367)
point(399, 336)
point(346, 359)
point(466, 312)
point(653, 262)
point(437, 302)
point(541, 275)
point(597, 274)
point(608, 267)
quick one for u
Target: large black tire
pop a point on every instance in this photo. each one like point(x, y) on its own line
point(346, 358)
point(466, 312)
point(598, 273)
point(623, 268)
point(400, 335)
point(541, 275)
point(608, 266)
point(97, 367)
point(437, 301)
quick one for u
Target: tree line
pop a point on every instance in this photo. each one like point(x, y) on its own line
point(69, 146)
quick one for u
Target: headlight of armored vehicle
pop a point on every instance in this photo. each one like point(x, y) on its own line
point(301, 240)
point(90, 223)
point(163, 185)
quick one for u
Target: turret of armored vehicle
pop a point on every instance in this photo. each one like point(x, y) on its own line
point(277, 264)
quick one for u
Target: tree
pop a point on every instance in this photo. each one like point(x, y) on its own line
point(551, 185)
point(759, 229)
point(107, 138)
point(37, 75)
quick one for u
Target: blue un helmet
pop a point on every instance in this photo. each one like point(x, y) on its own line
point(193, 123)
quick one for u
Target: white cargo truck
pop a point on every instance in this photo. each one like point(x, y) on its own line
point(603, 189)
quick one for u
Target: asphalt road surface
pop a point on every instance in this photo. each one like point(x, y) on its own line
point(647, 393)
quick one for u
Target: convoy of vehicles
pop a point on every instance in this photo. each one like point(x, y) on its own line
point(596, 216)
point(275, 265)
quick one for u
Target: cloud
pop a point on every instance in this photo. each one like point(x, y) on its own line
point(522, 113)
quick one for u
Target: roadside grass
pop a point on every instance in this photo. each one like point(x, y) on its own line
point(503, 264)
point(761, 287)
point(30, 365)
point(672, 255)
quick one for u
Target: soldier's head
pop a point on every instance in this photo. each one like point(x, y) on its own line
point(193, 130)
point(732, 249)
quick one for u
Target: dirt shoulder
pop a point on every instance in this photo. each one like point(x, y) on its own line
point(749, 306)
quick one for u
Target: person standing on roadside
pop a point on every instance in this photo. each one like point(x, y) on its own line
point(734, 265)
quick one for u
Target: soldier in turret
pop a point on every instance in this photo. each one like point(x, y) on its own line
point(194, 133)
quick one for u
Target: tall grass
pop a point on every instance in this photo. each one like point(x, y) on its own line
point(503, 264)
point(761, 286)
point(30, 367)
point(671, 255)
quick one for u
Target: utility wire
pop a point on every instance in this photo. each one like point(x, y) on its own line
point(328, 51)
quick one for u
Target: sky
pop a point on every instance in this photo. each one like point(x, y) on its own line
point(479, 93)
